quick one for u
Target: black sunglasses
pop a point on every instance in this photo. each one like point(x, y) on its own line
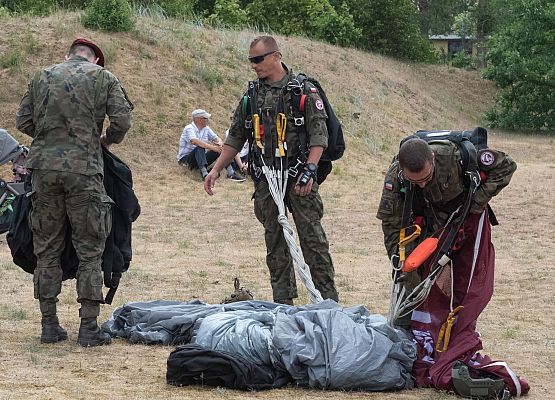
point(260, 58)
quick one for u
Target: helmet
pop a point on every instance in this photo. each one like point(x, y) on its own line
point(477, 388)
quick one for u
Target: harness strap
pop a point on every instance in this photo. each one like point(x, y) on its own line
point(445, 332)
point(302, 102)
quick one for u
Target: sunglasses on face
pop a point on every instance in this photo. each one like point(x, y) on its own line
point(260, 58)
point(421, 180)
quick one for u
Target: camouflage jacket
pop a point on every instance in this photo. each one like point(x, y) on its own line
point(444, 193)
point(273, 98)
point(63, 111)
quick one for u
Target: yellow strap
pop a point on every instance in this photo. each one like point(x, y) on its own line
point(404, 240)
point(445, 331)
point(281, 123)
point(256, 127)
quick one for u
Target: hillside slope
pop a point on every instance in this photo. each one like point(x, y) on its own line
point(170, 67)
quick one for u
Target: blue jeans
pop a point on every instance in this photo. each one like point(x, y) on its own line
point(199, 158)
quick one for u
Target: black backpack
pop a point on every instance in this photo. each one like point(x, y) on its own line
point(336, 141)
point(468, 142)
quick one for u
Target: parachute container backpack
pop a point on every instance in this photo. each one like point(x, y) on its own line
point(336, 141)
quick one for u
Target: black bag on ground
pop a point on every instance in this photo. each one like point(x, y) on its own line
point(193, 364)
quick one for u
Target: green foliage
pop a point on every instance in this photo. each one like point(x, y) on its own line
point(391, 27)
point(13, 60)
point(108, 15)
point(32, 7)
point(4, 12)
point(465, 23)
point(336, 27)
point(521, 55)
point(229, 13)
point(463, 60)
point(314, 18)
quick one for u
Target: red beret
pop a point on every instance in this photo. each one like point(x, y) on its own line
point(94, 47)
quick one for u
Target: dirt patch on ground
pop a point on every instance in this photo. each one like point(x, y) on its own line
point(188, 245)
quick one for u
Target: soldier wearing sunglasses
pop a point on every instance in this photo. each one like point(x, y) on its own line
point(304, 201)
point(434, 173)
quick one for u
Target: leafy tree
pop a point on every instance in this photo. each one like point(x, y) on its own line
point(313, 18)
point(521, 53)
point(229, 13)
point(108, 15)
point(391, 27)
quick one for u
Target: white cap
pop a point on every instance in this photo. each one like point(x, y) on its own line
point(200, 113)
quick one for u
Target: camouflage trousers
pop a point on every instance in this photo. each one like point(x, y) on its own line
point(58, 197)
point(307, 212)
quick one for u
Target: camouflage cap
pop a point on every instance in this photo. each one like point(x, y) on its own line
point(86, 42)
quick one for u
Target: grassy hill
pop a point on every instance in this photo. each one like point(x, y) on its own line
point(171, 67)
point(188, 245)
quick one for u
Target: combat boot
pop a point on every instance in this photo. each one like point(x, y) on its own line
point(288, 302)
point(90, 334)
point(52, 332)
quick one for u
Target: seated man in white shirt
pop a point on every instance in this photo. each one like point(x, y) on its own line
point(199, 146)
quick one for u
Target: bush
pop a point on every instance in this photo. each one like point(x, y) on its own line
point(108, 15)
point(228, 12)
point(463, 60)
point(32, 7)
point(4, 12)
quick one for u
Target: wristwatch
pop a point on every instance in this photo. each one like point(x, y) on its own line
point(312, 167)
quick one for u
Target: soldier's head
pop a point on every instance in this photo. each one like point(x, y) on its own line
point(200, 117)
point(416, 162)
point(85, 48)
point(265, 57)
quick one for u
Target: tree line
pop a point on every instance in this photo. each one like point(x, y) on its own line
point(515, 38)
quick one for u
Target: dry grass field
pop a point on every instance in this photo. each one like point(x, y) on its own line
point(188, 245)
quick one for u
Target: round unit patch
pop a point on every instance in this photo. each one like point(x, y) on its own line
point(487, 158)
point(319, 104)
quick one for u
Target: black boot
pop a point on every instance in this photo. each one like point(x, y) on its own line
point(288, 302)
point(52, 332)
point(90, 334)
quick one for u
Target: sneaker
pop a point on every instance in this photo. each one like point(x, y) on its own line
point(237, 177)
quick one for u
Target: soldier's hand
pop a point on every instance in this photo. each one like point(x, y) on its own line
point(303, 190)
point(104, 141)
point(210, 181)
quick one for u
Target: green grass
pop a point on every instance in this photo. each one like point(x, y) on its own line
point(12, 60)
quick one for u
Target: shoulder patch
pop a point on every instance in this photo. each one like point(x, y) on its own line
point(388, 186)
point(487, 158)
point(319, 104)
point(313, 90)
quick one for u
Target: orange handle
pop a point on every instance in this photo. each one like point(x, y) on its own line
point(420, 254)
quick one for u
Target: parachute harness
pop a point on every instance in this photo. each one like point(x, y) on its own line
point(277, 175)
point(401, 303)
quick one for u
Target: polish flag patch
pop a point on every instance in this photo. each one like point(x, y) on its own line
point(388, 186)
point(313, 90)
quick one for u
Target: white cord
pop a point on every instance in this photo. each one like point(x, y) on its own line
point(277, 184)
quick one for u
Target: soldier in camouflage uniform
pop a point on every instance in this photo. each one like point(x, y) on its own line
point(63, 111)
point(303, 200)
point(465, 285)
point(435, 169)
